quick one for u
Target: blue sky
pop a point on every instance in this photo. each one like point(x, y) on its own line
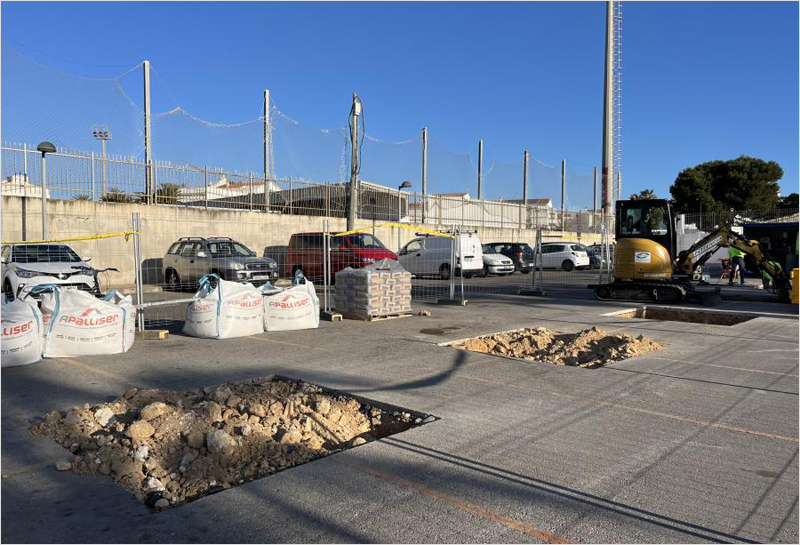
point(701, 81)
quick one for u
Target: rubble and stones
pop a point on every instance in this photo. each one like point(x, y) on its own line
point(589, 348)
point(168, 447)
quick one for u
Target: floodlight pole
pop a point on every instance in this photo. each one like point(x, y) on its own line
point(44, 148)
point(608, 124)
point(148, 151)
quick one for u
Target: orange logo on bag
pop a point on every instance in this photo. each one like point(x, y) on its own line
point(286, 305)
point(248, 301)
point(84, 321)
point(16, 329)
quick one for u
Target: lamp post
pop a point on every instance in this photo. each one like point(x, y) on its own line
point(102, 133)
point(44, 148)
point(406, 184)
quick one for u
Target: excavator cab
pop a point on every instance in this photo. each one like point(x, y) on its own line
point(646, 240)
point(652, 219)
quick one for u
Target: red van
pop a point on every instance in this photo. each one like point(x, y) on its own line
point(305, 253)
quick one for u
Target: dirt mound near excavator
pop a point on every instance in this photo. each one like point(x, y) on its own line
point(589, 348)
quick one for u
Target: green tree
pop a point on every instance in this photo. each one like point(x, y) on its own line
point(81, 197)
point(788, 202)
point(646, 194)
point(116, 195)
point(744, 183)
point(168, 193)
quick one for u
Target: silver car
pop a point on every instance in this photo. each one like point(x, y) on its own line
point(29, 265)
point(191, 258)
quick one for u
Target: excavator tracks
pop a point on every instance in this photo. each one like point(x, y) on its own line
point(640, 291)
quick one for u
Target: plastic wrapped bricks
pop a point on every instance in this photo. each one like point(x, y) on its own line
point(381, 289)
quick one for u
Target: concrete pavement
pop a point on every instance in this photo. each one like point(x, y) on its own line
point(697, 442)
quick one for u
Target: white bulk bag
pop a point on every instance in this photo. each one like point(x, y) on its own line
point(80, 324)
point(22, 333)
point(126, 302)
point(291, 308)
point(225, 311)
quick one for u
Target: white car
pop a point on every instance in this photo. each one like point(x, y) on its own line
point(430, 255)
point(29, 265)
point(564, 255)
point(496, 263)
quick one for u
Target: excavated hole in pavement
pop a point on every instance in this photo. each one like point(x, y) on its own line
point(683, 315)
point(169, 448)
point(590, 348)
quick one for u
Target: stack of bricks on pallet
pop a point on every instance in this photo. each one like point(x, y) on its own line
point(381, 289)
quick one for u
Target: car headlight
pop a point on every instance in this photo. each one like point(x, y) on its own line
point(236, 266)
point(25, 273)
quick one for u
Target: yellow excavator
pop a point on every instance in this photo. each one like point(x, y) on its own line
point(648, 267)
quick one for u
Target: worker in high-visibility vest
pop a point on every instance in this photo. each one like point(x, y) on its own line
point(737, 261)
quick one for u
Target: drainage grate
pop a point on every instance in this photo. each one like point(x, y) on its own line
point(169, 448)
point(685, 315)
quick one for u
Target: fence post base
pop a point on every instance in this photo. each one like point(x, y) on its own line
point(452, 302)
point(532, 293)
point(329, 316)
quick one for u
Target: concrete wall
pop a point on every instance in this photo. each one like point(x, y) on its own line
point(163, 225)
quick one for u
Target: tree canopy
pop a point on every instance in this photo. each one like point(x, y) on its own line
point(646, 194)
point(789, 201)
point(744, 183)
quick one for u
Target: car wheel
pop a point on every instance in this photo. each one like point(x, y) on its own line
point(295, 269)
point(567, 265)
point(524, 271)
point(444, 271)
point(218, 273)
point(173, 280)
point(8, 291)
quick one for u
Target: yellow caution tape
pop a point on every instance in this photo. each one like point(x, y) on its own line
point(393, 224)
point(126, 234)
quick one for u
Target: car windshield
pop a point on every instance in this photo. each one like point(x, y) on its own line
point(580, 248)
point(365, 242)
point(229, 248)
point(488, 250)
point(43, 253)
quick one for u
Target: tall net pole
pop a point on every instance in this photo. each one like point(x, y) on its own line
point(608, 114)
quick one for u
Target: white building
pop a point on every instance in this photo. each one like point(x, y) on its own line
point(19, 186)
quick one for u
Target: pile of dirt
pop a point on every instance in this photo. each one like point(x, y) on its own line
point(171, 447)
point(590, 348)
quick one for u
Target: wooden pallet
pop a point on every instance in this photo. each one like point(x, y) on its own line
point(378, 318)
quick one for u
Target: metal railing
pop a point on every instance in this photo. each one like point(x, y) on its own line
point(87, 176)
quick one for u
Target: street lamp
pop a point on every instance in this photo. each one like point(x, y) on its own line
point(404, 185)
point(101, 132)
point(44, 148)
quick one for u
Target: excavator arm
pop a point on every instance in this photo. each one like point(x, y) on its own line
point(703, 249)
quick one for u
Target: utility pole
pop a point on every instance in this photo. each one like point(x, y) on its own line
point(608, 122)
point(563, 192)
point(594, 203)
point(525, 187)
point(267, 147)
point(355, 111)
point(424, 171)
point(148, 151)
point(480, 168)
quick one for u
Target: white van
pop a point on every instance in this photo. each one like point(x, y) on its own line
point(429, 255)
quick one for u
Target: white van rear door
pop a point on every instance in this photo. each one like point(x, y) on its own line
point(471, 252)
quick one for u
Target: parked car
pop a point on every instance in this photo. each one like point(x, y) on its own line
point(600, 252)
point(496, 263)
point(519, 252)
point(594, 260)
point(429, 255)
point(563, 255)
point(29, 265)
point(306, 253)
point(191, 258)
